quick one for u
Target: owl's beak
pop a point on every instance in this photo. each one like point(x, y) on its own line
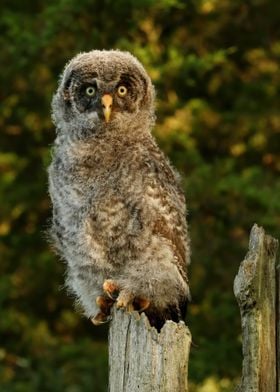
point(107, 101)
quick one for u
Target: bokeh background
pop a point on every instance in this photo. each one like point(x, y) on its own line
point(215, 65)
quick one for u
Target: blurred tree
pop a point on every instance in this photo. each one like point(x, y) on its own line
point(215, 65)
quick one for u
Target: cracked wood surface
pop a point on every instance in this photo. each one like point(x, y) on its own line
point(257, 293)
point(143, 360)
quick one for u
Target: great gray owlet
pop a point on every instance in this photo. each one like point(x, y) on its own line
point(119, 215)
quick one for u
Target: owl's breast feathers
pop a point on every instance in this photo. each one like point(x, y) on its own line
point(128, 192)
point(150, 189)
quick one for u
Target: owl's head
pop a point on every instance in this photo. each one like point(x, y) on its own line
point(103, 90)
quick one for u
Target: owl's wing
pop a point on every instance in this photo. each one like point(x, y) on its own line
point(165, 202)
point(177, 240)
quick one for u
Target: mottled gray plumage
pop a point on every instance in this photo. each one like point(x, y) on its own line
point(118, 209)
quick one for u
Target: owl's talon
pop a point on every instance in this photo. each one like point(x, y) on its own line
point(105, 304)
point(100, 318)
point(111, 289)
point(141, 304)
point(125, 305)
point(120, 304)
point(125, 301)
point(128, 307)
point(129, 303)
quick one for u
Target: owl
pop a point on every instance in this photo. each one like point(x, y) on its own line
point(119, 214)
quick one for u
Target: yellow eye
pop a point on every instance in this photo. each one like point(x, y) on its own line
point(122, 90)
point(90, 91)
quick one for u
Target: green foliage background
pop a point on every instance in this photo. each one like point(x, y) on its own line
point(215, 64)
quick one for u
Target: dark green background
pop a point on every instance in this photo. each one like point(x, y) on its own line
point(215, 65)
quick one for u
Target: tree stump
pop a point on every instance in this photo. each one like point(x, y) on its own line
point(144, 360)
point(257, 292)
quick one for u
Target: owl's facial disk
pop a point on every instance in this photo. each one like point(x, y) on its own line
point(103, 90)
point(106, 99)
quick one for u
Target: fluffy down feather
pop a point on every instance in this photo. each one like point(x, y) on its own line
point(118, 208)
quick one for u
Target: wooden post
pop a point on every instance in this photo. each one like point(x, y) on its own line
point(257, 293)
point(143, 360)
point(278, 323)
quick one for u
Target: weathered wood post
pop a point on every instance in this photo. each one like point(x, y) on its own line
point(256, 288)
point(278, 324)
point(143, 360)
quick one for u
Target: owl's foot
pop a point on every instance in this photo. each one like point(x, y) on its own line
point(129, 302)
point(141, 304)
point(105, 305)
point(111, 289)
point(125, 301)
point(124, 298)
point(100, 318)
